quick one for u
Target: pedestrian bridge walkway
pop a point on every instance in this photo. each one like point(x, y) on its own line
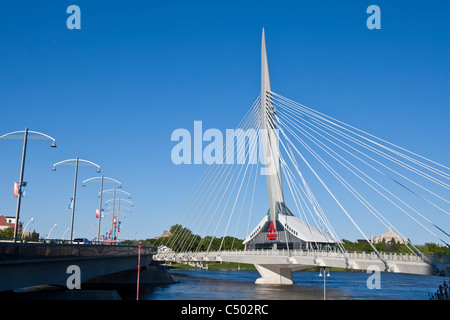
point(276, 266)
point(325, 179)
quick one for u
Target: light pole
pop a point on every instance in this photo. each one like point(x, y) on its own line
point(326, 273)
point(119, 200)
point(48, 236)
point(23, 232)
point(64, 234)
point(114, 191)
point(26, 136)
point(102, 180)
point(77, 162)
point(118, 212)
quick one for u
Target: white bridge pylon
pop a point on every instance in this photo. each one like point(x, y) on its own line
point(324, 166)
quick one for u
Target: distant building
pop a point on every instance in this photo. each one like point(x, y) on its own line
point(9, 222)
point(165, 234)
point(388, 237)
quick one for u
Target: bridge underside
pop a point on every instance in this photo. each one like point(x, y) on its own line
point(26, 265)
point(276, 266)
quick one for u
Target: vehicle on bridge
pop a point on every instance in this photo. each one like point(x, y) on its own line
point(81, 241)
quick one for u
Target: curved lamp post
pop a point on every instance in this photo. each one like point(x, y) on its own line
point(48, 236)
point(103, 179)
point(64, 234)
point(77, 163)
point(25, 229)
point(12, 135)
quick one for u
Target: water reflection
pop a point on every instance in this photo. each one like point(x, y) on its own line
point(239, 285)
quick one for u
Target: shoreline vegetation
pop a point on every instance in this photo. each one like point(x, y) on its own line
point(232, 243)
point(210, 243)
point(231, 266)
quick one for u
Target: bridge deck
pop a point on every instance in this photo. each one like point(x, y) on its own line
point(298, 259)
point(30, 264)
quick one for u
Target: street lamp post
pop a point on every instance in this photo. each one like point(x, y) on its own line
point(102, 180)
point(26, 133)
point(48, 236)
point(64, 234)
point(114, 191)
point(119, 200)
point(77, 161)
point(25, 229)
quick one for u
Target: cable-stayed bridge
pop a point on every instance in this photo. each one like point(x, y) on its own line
point(327, 173)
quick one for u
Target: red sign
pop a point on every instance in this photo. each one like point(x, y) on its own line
point(272, 236)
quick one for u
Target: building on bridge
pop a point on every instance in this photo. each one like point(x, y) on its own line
point(288, 232)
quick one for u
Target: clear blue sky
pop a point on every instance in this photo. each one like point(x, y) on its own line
point(114, 91)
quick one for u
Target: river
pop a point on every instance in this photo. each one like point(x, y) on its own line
point(240, 285)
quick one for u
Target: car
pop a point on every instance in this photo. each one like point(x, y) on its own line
point(81, 241)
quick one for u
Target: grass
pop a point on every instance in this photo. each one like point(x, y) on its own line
point(214, 266)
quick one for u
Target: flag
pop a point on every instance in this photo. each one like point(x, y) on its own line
point(16, 190)
point(70, 203)
point(22, 190)
point(19, 190)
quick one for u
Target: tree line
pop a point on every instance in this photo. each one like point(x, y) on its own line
point(182, 238)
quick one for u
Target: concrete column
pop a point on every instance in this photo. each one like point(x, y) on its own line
point(272, 274)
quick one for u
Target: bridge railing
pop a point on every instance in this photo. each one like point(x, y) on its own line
point(392, 256)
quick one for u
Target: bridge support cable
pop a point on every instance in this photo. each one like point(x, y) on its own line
point(200, 186)
point(332, 195)
point(305, 124)
point(252, 200)
point(292, 183)
point(385, 222)
point(306, 190)
point(289, 112)
point(418, 213)
point(309, 117)
point(229, 168)
point(252, 150)
point(296, 110)
point(200, 197)
point(226, 204)
point(358, 196)
point(394, 180)
point(346, 126)
point(323, 223)
point(223, 193)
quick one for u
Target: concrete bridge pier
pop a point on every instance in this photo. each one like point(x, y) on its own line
point(276, 273)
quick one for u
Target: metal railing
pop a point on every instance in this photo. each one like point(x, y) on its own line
point(391, 256)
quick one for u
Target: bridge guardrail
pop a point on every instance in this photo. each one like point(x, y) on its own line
point(391, 256)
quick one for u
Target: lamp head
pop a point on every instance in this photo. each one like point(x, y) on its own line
point(53, 145)
point(54, 169)
point(98, 170)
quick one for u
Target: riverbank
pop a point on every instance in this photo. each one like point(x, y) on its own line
point(234, 266)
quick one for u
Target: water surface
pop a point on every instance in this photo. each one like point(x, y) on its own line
point(240, 285)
